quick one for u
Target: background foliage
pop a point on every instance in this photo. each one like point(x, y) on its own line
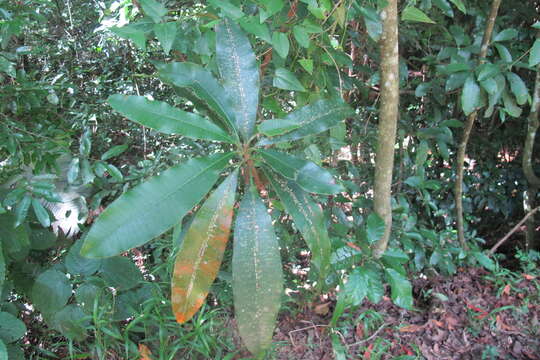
point(65, 154)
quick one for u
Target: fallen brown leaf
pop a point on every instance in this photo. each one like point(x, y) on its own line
point(411, 328)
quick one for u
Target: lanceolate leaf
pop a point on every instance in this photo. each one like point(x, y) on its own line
point(199, 259)
point(313, 119)
point(149, 209)
point(307, 174)
point(257, 275)
point(202, 87)
point(166, 33)
point(2, 267)
point(240, 73)
point(309, 220)
point(162, 117)
point(275, 127)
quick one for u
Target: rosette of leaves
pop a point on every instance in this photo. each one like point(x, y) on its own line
point(151, 208)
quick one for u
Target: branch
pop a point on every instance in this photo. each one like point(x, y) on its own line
point(514, 229)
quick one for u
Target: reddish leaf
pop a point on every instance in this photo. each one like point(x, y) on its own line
point(199, 259)
point(145, 352)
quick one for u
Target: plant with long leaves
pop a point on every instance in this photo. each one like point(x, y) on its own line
point(151, 208)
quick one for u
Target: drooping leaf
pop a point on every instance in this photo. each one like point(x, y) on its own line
point(7, 67)
point(162, 117)
point(228, 9)
point(51, 291)
point(401, 289)
point(132, 33)
point(470, 96)
point(41, 213)
point(313, 119)
point(356, 287)
point(198, 261)
point(120, 272)
point(444, 5)
point(307, 64)
point(11, 328)
point(166, 33)
point(484, 260)
point(306, 174)
point(460, 5)
point(375, 284)
point(284, 79)
point(411, 13)
point(301, 35)
point(374, 228)
point(504, 53)
point(257, 274)
point(487, 71)
point(505, 35)
point(252, 25)
point(309, 220)
point(201, 88)
point(152, 207)
point(71, 322)
point(79, 265)
point(280, 43)
point(240, 73)
point(21, 210)
point(534, 56)
point(154, 9)
point(73, 171)
point(510, 105)
point(518, 88)
point(114, 151)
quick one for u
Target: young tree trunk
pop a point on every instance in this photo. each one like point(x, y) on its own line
point(532, 180)
point(388, 117)
point(462, 147)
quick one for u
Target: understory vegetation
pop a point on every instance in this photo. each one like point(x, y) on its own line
point(280, 179)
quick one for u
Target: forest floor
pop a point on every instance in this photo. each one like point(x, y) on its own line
point(472, 315)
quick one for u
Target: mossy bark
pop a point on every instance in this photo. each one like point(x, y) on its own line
point(388, 116)
point(462, 147)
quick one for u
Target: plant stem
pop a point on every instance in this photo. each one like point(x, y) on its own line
point(462, 147)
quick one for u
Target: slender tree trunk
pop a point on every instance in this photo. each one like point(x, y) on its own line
point(388, 117)
point(532, 180)
point(462, 147)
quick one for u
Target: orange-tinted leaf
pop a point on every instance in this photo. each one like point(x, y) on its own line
point(529, 277)
point(145, 352)
point(411, 328)
point(199, 259)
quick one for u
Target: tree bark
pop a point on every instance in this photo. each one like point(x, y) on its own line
point(388, 116)
point(532, 179)
point(462, 147)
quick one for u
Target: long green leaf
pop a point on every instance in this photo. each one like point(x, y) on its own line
point(238, 67)
point(518, 88)
point(149, 209)
point(307, 174)
point(199, 259)
point(313, 119)
point(257, 275)
point(309, 220)
point(162, 117)
point(201, 88)
point(2, 267)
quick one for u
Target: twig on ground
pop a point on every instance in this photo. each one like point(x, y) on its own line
point(369, 338)
point(313, 326)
